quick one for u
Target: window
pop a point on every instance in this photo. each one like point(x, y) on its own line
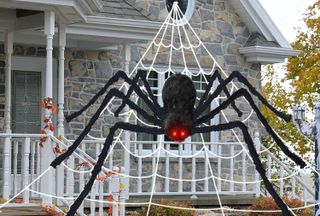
point(26, 113)
point(156, 81)
point(186, 6)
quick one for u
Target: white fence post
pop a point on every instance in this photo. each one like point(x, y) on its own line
point(257, 143)
point(25, 168)
point(7, 168)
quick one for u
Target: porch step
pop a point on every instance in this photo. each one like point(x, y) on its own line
point(202, 201)
point(23, 211)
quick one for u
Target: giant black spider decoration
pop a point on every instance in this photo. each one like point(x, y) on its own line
point(178, 119)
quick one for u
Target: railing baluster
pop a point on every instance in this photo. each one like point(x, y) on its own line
point(15, 167)
point(193, 183)
point(70, 178)
point(154, 147)
point(122, 196)
point(94, 189)
point(257, 143)
point(206, 167)
point(293, 180)
point(115, 194)
point(231, 184)
point(32, 160)
point(269, 165)
point(140, 167)
point(60, 186)
point(180, 168)
point(99, 184)
point(110, 167)
point(219, 167)
point(167, 146)
point(25, 168)
point(281, 181)
point(38, 165)
point(244, 174)
point(93, 197)
point(81, 177)
point(7, 168)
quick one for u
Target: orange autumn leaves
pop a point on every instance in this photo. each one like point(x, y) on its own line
point(303, 70)
point(47, 104)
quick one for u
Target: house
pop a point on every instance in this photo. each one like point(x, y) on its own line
point(69, 49)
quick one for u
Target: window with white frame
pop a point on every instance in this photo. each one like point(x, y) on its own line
point(156, 82)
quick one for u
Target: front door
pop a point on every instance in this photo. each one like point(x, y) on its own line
point(26, 113)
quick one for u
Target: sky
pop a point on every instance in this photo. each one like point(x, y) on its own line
point(287, 14)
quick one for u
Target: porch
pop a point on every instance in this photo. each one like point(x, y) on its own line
point(142, 176)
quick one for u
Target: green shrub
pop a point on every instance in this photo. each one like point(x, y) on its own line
point(268, 203)
point(163, 211)
point(2, 200)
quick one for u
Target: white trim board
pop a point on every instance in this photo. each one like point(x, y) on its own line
point(267, 55)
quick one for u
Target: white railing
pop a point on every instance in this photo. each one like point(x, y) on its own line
point(21, 163)
point(183, 170)
point(290, 183)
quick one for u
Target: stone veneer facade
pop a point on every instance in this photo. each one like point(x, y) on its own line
point(86, 71)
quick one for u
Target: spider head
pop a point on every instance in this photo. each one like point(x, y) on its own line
point(178, 132)
point(179, 95)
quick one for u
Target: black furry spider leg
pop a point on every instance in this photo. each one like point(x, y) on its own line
point(242, 79)
point(142, 75)
point(254, 155)
point(244, 93)
point(112, 80)
point(103, 155)
point(216, 75)
point(113, 92)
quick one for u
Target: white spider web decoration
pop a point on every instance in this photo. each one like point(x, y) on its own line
point(177, 35)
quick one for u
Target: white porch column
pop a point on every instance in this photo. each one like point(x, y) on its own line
point(7, 144)
point(62, 45)
point(8, 51)
point(127, 59)
point(47, 181)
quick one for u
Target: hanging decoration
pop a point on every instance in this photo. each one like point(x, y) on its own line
point(179, 118)
point(47, 104)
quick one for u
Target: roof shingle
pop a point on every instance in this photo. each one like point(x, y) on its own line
point(125, 9)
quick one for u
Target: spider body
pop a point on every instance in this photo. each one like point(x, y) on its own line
point(178, 119)
point(179, 96)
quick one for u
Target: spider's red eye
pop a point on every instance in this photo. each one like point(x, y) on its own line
point(174, 133)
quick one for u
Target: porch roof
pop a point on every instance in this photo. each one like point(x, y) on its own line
point(107, 21)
